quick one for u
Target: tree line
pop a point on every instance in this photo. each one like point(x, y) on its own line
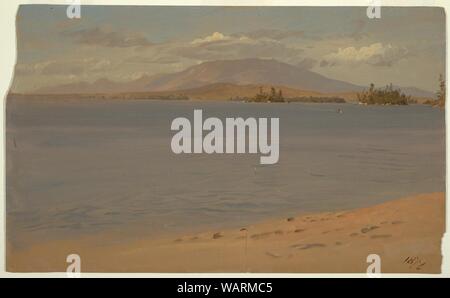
point(272, 96)
point(383, 96)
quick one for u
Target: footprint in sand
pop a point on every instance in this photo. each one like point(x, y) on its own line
point(299, 230)
point(217, 235)
point(273, 255)
point(396, 222)
point(354, 234)
point(368, 229)
point(380, 236)
point(261, 235)
point(308, 245)
point(290, 219)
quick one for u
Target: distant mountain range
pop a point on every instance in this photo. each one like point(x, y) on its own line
point(249, 71)
point(213, 76)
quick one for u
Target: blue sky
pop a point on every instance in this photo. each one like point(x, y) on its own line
point(122, 43)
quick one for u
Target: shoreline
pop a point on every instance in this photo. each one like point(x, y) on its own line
point(71, 99)
point(405, 232)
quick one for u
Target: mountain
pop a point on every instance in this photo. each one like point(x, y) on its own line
point(236, 72)
point(242, 72)
point(247, 72)
point(416, 92)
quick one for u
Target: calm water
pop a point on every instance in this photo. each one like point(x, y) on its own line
point(75, 168)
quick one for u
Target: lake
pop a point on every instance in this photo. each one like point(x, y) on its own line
point(82, 167)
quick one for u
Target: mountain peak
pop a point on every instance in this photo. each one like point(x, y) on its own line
point(249, 71)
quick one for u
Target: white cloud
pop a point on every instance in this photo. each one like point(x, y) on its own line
point(375, 54)
point(218, 46)
point(216, 36)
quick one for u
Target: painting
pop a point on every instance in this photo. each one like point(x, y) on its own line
point(227, 139)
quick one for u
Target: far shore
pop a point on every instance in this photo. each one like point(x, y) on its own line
point(327, 99)
point(406, 233)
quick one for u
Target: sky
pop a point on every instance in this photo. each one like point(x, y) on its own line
point(406, 46)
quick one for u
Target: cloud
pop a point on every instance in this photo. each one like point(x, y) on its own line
point(216, 36)
point(218, 46)
point(360, 25)
point(107, 38)
point(375, 54)
point(62, 68)
point(120, 58)
point(155, 59)
point(274, 34)
point(65, 67)
point(262, 34)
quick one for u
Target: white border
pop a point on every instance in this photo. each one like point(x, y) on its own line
point(8, 11)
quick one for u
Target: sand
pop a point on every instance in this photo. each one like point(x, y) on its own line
point(406, 233)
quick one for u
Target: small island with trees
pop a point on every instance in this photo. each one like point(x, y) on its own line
point(383, 96)
point(440, 95)
point(276, 96)
point(394, 96)
point(272, 96)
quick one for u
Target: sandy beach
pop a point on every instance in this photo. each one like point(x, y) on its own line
point(406, 233)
